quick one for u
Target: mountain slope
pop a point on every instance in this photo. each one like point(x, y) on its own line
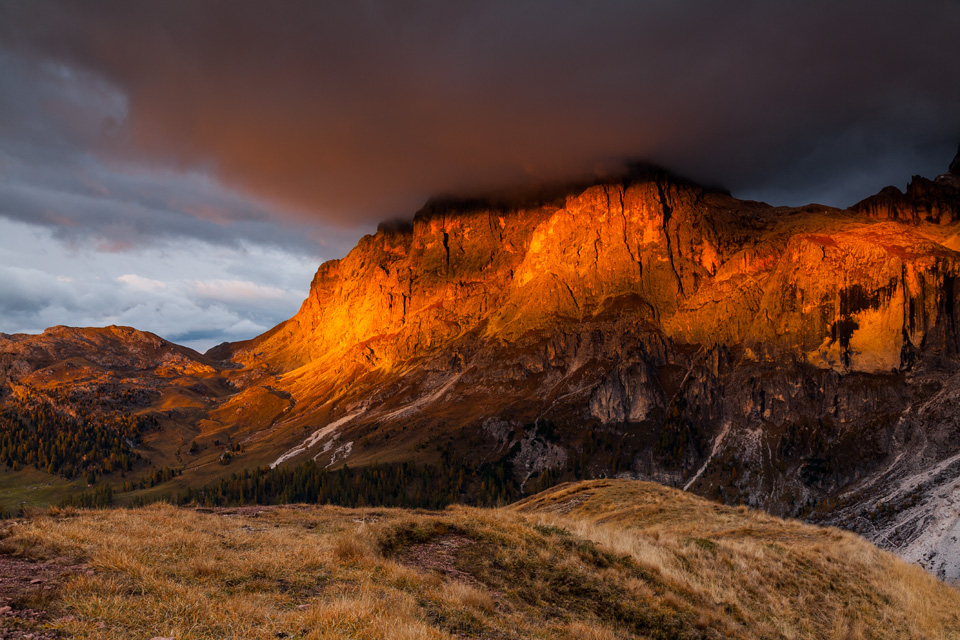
point(799, 360)
point(645, 326)
point(85, 402)
point(597, 560)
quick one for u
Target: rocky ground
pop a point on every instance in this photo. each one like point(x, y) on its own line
point(27, 589)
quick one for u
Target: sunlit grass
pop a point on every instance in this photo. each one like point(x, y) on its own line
point(596, 561)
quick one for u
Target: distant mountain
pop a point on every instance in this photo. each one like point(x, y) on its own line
point(800, 360)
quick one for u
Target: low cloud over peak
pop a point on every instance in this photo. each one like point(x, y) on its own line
point(361, 110)
point(135, 135)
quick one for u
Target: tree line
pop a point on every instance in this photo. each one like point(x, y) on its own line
point(35, 433)
point(402, 484)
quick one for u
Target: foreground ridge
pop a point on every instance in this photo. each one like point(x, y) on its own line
point(598, 560)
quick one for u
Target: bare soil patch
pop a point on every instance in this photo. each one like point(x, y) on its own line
point(27, 589)
point(440, 556)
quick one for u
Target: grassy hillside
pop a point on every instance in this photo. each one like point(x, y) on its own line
point(588, 561)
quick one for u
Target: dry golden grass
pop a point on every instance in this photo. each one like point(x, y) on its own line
point(786, 579)
point(593, 561)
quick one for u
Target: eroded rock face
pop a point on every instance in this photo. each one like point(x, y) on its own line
point(817, 284)
point(746, 352)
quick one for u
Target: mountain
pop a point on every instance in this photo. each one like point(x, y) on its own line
point(799, 360)
point(774, 356)
point(593, 560)
point(62, 355)
point(81, 403)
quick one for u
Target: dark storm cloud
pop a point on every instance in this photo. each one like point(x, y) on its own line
point(357, 111)
point(55, 172)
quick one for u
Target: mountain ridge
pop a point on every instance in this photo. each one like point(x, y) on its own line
point(776, 356)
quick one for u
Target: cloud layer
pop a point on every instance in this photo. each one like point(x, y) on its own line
point(364, 109)
point(180, 130)
point(193, 293)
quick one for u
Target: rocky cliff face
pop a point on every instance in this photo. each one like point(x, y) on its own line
point(823, 286)
point(742, 351)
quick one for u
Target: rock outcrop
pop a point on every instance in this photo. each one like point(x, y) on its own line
point(745, 352)
point(935, 201)
point(954, 171)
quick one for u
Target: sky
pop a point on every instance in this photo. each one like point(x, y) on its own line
point(184, 166)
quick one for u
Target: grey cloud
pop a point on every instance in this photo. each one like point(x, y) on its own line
point(52, 119)
point(192, 293)
point(359, 111)
point(123, 210)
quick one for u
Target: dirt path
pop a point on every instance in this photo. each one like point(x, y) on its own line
point(27, 590)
